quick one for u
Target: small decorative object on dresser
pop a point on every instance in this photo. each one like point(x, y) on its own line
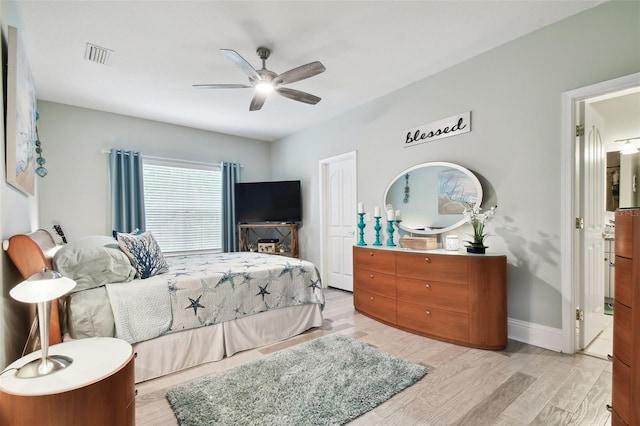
point(477, 219)
point(445, 295)
point(451, 242)
point(625, 390)
point(420, 243)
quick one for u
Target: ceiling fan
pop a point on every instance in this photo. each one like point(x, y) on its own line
point(266, 81)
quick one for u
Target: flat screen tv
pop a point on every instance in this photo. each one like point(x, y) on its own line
point(278, 201)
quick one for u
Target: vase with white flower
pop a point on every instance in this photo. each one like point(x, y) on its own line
point(477, 218)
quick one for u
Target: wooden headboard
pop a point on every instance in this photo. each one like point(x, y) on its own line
point(32, 253)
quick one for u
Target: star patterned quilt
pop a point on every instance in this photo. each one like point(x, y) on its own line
point(209, 289)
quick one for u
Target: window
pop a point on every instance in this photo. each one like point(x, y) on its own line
point(183, 204)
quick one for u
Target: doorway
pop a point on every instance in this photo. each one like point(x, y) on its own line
point(338, 185)
point(585, 299)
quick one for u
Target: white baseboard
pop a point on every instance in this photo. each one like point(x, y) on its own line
point(535, 334)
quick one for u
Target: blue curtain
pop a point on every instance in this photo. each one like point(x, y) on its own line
point(230, 175)
point(127, 190)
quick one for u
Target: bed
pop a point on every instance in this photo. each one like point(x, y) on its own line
point(186, 311)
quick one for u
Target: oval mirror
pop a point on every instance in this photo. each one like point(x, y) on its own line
point(432, 197)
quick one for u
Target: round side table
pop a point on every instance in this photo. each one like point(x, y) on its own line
point(98, 388)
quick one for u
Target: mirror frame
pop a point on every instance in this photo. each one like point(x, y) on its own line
point(462, 221)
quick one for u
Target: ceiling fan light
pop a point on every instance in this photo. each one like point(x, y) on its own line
point(265, 87)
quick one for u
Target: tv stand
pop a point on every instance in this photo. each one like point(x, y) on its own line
point(287, 233)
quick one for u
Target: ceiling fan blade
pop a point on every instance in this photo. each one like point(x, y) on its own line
point(222, 86)
point(257, 101)
point(299, 96)
point(300, 73)
point(241, 63)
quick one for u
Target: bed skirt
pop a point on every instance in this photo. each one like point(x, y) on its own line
point(178, 351)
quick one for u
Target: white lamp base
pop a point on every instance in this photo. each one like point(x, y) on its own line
point(38, 367)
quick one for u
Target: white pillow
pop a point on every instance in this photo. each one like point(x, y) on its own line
point(93, 261)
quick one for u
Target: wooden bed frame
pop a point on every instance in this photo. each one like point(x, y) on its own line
point(31, 253)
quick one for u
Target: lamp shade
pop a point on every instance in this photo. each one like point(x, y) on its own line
point(42, 286)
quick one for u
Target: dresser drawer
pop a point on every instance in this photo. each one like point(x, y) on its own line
point(624, 232)
point(441, 268)
point(383, 308)
point(436, 322)
point(616, 420)
point(451, 297)
point(375, 282)
point(375, 260)
point(622, 336)
point(620, 389)
point(623, 281)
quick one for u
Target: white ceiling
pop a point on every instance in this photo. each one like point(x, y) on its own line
point(161, 48)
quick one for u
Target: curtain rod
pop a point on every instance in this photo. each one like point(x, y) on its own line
point(175, 160)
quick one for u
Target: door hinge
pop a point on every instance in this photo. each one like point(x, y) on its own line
point(579, 314)
point(580, 130)
point(579, 223)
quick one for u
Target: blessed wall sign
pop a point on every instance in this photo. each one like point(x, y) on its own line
point(450, 126)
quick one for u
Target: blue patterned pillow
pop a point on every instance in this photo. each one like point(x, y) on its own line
point(134, 232)
point(144, 253)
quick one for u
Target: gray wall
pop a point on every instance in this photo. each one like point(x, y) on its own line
point(75, 193)
point(18, 214)
point(514, 93)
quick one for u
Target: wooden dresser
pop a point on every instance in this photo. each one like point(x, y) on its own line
point(625, 398)
point(452, 296)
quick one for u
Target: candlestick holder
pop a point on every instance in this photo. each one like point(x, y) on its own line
point(377, 228)
point(361, 225)
point(397, 223)
point(390, 230)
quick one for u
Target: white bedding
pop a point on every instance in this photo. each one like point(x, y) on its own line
point(141, 311)
point(198, 291)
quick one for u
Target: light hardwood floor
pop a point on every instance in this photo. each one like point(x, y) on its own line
point(521, 385)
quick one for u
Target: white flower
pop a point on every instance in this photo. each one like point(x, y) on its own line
point(477, 218)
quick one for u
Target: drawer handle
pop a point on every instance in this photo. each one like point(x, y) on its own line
point(370, 253)
point(371, 298)
point(427, 259)
point(371, 276)
point(609, 408)
point(428, 313)
point(428, 286)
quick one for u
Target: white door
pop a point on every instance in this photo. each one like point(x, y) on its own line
point(339, 230)
point(592, 204)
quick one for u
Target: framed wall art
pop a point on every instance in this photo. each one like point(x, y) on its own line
point(20, 118)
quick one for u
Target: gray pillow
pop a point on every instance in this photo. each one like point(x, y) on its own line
point(93, 261)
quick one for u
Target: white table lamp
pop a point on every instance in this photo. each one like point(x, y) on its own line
point(41, 288)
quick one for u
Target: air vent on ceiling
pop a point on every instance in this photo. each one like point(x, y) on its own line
point(98, 54)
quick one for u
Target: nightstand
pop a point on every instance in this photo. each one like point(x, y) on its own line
point(98, 388)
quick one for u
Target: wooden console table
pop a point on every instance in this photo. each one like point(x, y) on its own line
point(96, 389)
point(452, 296)
point(287, 233)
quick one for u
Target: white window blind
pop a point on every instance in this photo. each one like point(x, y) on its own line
point(183, 205)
